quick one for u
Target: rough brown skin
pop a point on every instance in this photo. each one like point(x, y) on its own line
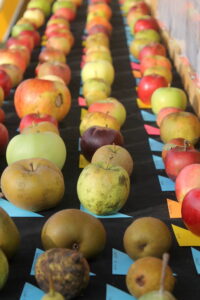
point(74, 229)
point(68, 269)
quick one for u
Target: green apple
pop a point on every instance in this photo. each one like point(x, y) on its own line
point(4, 269)
point(168, 97)
point(101, 69)
point(149, 34)
point(47, 145)
point(64, 4)
point(103, 189)
point(95, 89)
point(17, 28)
point(44, 5)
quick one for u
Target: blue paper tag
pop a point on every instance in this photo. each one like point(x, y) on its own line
point(196, 259)
point(14, 211)
point(38, 252)
point(121, 262)
point(117, 215)
point(158, 162)
point(113, 293)
point(81, 91)
point(147, 116)
point(155, 145)
point(166, 184)
point(31, 292)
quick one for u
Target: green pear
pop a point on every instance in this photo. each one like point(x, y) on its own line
point(9, 234)
point(156, 295)
point(4, 269)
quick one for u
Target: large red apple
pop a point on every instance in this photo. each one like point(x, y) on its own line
point(179, 157)
point(154, 60)
point(143, 24)
point(190, 210)
point(54, 68)
point(97, 136)
point(35, 118)
point(174, 143)
point(148, 84)
point(4, 138)
point(187, 179)
point(5, 82)
point(152, 49)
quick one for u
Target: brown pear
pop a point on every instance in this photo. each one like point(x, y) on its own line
point(9, 234)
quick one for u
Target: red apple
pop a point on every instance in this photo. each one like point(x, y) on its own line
point(33, 34)
point(14, 73)
point(190, 210)
point(5, 82)
point(96, 136)
point(54, 68)
point(66, 13)
point(66, 34)
point(52, 55)
point(143, 24)
point(141, 7)
point(55, 27)
point(59, 43)
point(1, 96)
point(2, 116)
point(28, 43)
point(152, 49)
point(8, 56)
point(179, 157)
point(154, 60)
point(148, 84)
point(164, 112)
point(35, 118)
point(4, 138)
point(174, 143)
point(187, 179)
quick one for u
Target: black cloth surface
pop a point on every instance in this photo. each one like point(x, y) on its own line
point(145, 199)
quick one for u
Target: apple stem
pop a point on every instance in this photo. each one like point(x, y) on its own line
point(165, 260)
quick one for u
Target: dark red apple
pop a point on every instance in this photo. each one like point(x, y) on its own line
point(34, 118)
point(33, 34)
point(179, 157)
point(190, 210)
point(5, 82)
point(97, 136)
point(143, 24)
point(152, 49)
point(4, 138)
point(174, 143)
point(148, 84)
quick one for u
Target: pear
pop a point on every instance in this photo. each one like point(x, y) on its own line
point(9, 234)
point(4, 269)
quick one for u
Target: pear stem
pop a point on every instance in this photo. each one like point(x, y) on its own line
point(165, 260)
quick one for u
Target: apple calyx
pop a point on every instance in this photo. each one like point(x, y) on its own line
point(75, 246)
point(59, 100)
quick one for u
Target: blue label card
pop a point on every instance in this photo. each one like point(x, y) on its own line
point(121, 262)
point(158, 162)
point(31, 292)
point(38, 252)
point(147, 116)
point(196, 259)
point(137, 80)
point(166, 184)
point(132, 58)
point(81, 91)
point(117, 215)
point(113, 293)
point(92, 274)
point(14, 211)
point(155, 145)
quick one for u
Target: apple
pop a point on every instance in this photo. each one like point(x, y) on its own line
point(66, 13)
point(40, 4)
point(111, 106)
point(159, 70)
point(179, 157)
point(54, 68)
point(140, 7)
point(4, 139)
point(13, 72)
point(52, 55)
point(28, 43)
point(43, 97)
point(35, 16)
point(133, 16)
point(180, 124)
point(96, 136)
point(17, 28)
point(40, 127)
point(154, 60)
point(2, 116)
point(168, 97)
point(149, 34)
point(99, 28)
point(95, 89)
point(1, 96)
point(56, 27)
point(35, 118)
point(21, 50)
point(96, 55)
point(174, 143)
point(98, 119)
point(97, 48)
point(165, 112)
point(13, 57)
point(97, 39)
point(34, 184)
point(63, 4)
point(64, 34)
point(100, 69)
point(23, 20)
point(33, 34)
point(59, 43)
point(148, 84)
point(187, 180)
point(152, 49)
point(58, 23)
point(93, 14)
point(103, 189)
point(42, 144)
point(114, 154)
point(145, 24)
point(5, 82)
point(190, 210)
point(126, 5)
point(52, 78)
point(94, 7)
point(137, 45)
point(99, 20)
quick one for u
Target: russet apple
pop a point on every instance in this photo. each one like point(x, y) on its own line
point(95, 89)
point(4, 267)
point(103, 189)
point(34, 184)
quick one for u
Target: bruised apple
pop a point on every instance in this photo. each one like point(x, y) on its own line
point(43, 97)
point(34, 184)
